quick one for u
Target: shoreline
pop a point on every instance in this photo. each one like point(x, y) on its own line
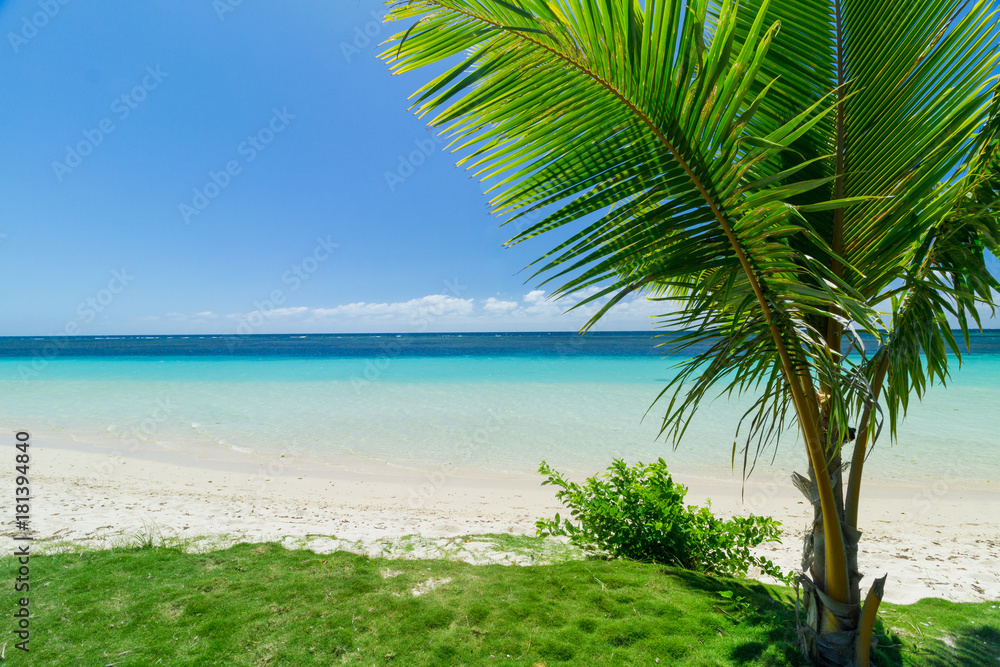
point(933, 542)
point(294, 457)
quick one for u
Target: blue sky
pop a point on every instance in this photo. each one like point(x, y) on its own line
point(208, 167)
point(290, 97)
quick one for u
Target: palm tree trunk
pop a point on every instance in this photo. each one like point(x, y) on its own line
point(824, 641)
point(828, 635)
point(834, 627)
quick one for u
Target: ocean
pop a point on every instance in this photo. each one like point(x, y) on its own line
point(495, 402)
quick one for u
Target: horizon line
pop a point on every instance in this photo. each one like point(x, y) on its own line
point(654, 332)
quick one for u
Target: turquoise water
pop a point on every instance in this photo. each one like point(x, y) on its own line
point(500, 413)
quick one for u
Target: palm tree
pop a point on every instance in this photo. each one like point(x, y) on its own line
point(782, 171)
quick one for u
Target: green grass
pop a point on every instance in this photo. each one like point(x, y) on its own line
point(941, 634)
point(261, 604)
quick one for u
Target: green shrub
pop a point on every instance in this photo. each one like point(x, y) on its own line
point(639, 513)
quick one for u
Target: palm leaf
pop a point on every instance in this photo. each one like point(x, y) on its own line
point(636, 119)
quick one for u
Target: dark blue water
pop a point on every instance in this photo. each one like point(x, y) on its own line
point(607, 344)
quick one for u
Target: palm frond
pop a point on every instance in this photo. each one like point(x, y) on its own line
point(642, 119)
point(948, 278)
point(772, 191)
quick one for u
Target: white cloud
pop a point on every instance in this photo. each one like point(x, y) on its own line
point(494, 306)
point(286, 312)
point(532, 311)
point(536, 311)
point(535, 296)
point(433, 305)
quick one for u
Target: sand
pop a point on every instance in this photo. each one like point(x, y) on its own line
point(941, 542)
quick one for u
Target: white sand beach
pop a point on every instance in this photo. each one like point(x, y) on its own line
point(941, 542)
